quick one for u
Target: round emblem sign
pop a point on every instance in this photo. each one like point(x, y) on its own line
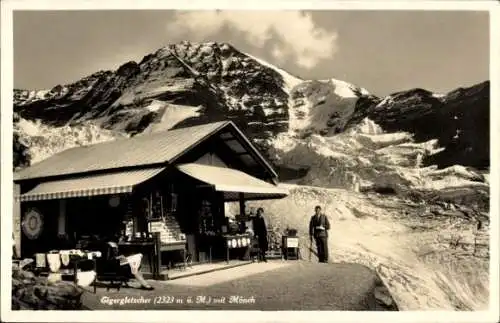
point(114, 201)
point(32, 224)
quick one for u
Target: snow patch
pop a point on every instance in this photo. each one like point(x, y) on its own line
point(438, 95)
point(342, 88)
point(155, 105)
point(40, 95)
point(171, 116)
point(321, 105)
point(44, 141)
point(386, 101)
point(151, 89)
point(365, 154)
point(290, 81)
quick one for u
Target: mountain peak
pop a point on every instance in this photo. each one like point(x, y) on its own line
point(187, 83)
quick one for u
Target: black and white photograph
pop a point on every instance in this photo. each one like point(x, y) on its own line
point(333, 161)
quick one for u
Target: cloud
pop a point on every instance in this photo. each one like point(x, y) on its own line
point(292, 34)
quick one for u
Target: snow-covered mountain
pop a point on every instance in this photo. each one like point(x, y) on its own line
point(189, 83)
point(416, 154)
point(323, 132)
point(289, 118)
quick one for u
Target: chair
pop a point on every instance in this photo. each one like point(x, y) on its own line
point(108, 268)
point(111, 271)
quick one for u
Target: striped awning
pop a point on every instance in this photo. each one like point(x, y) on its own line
point(91, 185)
point(233, 182)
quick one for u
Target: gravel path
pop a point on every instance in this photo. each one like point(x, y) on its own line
point(299, 286)
point(221, 276)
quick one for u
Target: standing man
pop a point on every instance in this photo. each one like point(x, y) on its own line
point(260, 231)
point(318, 229)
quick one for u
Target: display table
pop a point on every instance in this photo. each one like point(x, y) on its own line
point(166, 246)
point(74, 265)
point(174, 246)
point(237, 241)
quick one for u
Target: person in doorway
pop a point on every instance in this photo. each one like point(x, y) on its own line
point(260, 231)
point(318, 229)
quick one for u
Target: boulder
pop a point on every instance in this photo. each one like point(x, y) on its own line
point(30, 292)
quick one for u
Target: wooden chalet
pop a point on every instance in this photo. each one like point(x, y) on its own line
point(173, 184)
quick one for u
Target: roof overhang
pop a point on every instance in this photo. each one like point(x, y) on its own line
point(233, 183)
point(90, 185)
point(249, 149)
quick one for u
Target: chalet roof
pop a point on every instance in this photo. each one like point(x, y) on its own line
point(232, 182)
point(143, 150)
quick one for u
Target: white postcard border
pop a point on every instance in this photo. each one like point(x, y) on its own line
point(241, 316)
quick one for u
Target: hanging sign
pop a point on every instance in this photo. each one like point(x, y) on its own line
point(32, 224)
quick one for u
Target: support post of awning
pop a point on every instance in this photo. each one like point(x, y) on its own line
point(242, 204)
point(221, 209)
point(61, 222)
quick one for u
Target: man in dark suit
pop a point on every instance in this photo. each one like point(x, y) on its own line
point(260, 231)
point(318, 229)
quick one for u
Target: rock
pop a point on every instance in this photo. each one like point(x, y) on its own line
point(26, 275)
point(383, 296)
point(40, 291)
point(30, 292)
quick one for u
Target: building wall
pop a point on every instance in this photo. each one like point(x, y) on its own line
point(92, 216)
point(47, 240)
point(211, 159)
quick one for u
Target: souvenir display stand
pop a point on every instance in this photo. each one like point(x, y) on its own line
point(240, 243)
point(290, 245)
point(165, 229)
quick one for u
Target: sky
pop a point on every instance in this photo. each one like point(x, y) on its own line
point(382, 51)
